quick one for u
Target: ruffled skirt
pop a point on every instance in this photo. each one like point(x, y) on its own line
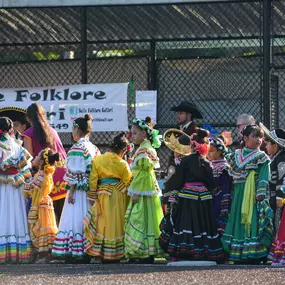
point(43, 227)
point(15, 243)
point(189, 231)
point(277, 251)
point(243, 244)
point(104, 226)
point(142, 228)
point(70, 240)
point(221, 206)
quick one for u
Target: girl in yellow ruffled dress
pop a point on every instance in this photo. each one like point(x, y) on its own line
point(104, 224)
point(41, 217)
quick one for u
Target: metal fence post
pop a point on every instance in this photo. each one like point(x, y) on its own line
point(83, 45)
point(152, 71)
point(266, 62)
point(274, 93)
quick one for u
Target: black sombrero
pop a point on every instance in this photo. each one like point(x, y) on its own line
point(15, 114)
point(277, 136)
point(188, 108)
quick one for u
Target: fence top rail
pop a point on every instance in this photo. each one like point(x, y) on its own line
point(205, 20)
point(62, 3)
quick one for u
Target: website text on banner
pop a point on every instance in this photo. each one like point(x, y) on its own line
point(107, 103)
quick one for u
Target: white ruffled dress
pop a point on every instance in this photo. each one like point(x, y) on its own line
point(15, 164)
point(70, 240)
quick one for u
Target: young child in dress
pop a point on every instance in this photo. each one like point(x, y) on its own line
point(15, 164)
point(104, 225)
point(181, 147)
point(194, 235)
point(70, 240)
point(179, 143)
point(248, 233)
point(41, 217)
point(222, 191)
point(144, 212)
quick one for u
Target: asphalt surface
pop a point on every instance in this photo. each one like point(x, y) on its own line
point(139, 274)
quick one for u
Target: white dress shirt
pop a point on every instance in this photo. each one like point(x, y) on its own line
point(183, 127)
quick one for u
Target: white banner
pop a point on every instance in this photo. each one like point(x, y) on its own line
point(146, 104)
point(107, 103)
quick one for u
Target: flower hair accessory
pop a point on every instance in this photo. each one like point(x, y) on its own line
point(153, 134)
point(201, 148)
point(130, 147)
point(47, 166)
point(75, 125)
point(46, 156)
point(59, 164)
point(51, 168)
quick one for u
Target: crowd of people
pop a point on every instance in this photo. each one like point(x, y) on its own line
point(218, 203)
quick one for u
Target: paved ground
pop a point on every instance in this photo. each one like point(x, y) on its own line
point(139, 274)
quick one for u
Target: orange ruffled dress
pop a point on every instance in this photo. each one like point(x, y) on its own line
point(41, 217)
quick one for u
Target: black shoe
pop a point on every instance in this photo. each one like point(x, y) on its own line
point(241, 262)
point(149, 260)
point(111, 261)
point(221, 261)
point(85, 260)
point(133, 261)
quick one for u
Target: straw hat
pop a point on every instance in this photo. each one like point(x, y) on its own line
point(277, 135)
point(14, 113)
point(171, 140)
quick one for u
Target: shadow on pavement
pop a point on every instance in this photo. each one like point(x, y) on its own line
point(108, 269)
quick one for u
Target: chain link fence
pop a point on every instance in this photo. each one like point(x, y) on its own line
point(278, 57)
point(210, 54)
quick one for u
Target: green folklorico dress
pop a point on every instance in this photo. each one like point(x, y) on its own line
point(143, 218)
point(248, 236)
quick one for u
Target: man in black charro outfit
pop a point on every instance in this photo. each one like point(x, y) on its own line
point(186, 113)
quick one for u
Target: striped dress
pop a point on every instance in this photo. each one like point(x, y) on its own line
point(221, 193)
point(245, 241)
point(143, 218)
point(104, 224)
point(15, 162)
point(70, 240)
point(190, 232)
